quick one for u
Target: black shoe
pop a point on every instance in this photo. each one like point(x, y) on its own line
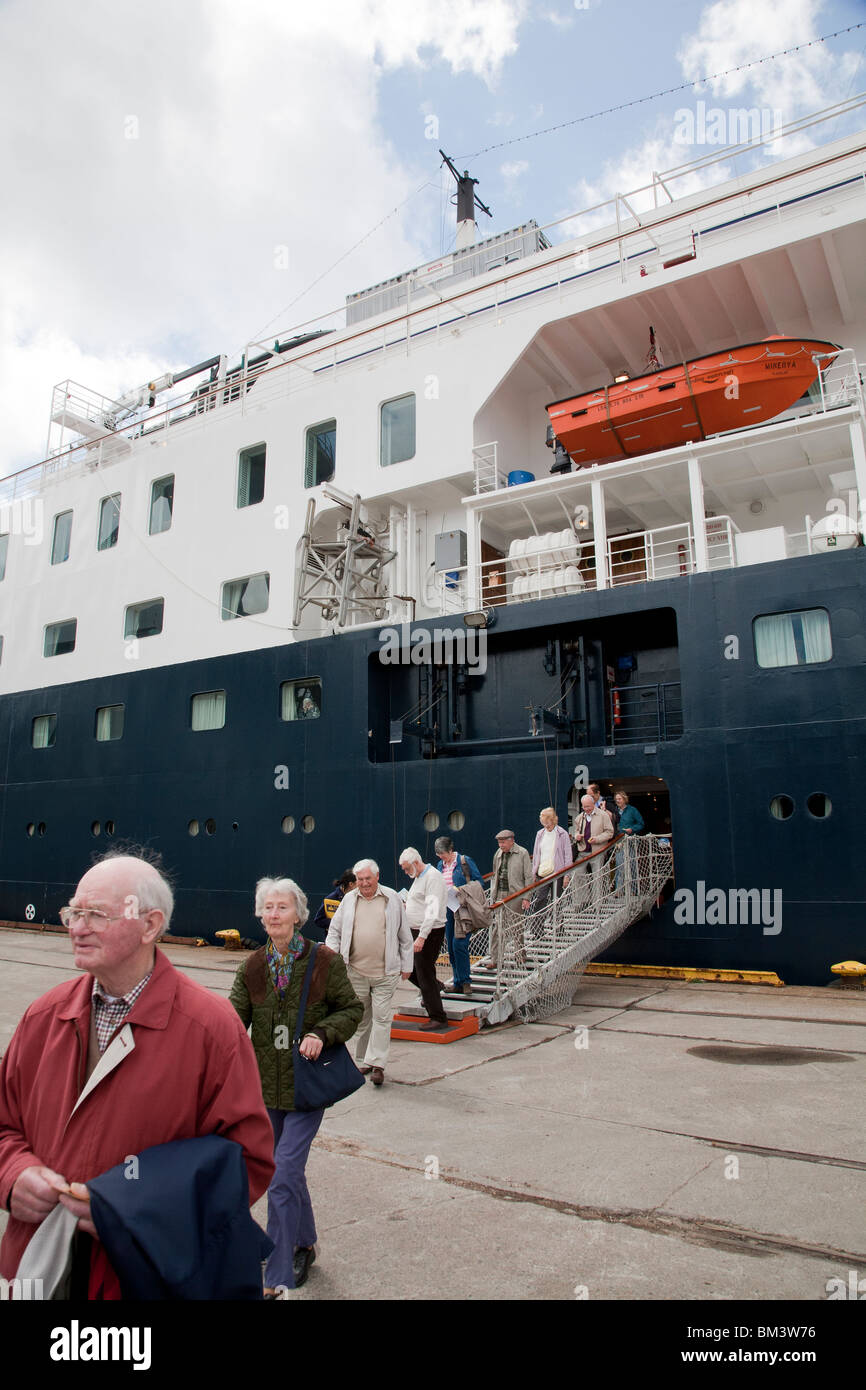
point(304, 1257)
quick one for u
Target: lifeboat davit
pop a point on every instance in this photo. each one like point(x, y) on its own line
point(683, 404)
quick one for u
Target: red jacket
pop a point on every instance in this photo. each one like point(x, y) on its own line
point(191, 1071)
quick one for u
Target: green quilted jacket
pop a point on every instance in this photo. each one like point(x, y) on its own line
point(333, 1013)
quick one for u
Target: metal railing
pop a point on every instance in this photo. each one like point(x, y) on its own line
point(538, 956)
point(646, 713)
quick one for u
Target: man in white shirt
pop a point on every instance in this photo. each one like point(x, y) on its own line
point(370, 931)
point(426, 906)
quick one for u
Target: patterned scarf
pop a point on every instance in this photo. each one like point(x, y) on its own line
point(280, 967)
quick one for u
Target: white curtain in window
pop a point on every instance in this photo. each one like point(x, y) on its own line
point(209, 710)
point(109, 722)
point(287, 692)
point(42, 731)
point(244, 597)
point(816, 635)
point(774, 641)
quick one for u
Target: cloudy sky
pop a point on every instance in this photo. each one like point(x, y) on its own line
point(184, 176)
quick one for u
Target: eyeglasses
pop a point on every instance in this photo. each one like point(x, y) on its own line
point(91, 917)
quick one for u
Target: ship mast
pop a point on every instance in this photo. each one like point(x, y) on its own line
point(467, 201)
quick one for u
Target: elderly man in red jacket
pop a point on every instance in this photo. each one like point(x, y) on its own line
point(100, 1068)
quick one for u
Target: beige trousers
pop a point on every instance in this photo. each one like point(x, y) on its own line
point(373, 1038)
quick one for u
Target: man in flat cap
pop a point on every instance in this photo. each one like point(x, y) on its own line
point(512, 872)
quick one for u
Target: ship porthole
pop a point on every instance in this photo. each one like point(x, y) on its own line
point(308, 824)
point(31, 828)
point(287, 824)
point(210, 826)
point(235, 825)
point(95, 828)
point(456, 820)
point(431, 821)
point(109, 827)
point(41, 827)
point(193, 827)
point(819, 805)
point(781, 808)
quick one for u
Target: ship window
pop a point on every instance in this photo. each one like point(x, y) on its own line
point(60, 638)
point(781, 808)
point(431, 821)
point(793, 639)
point(161, 505)
point(321, 453)
point(397, 441)
point(4, 551)
point(109, 723)
point(819, 805)
point(144, 619)
point(61, 538)
point(44, 731)
point(287, 824)
point(208, 710)
point(251, 475)
point(308, 824)
point(109, 521)
point(301, 699)
point(241, 598)
point(456, 820)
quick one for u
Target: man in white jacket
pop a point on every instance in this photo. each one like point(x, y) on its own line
point(370, 931)
point(426, 906)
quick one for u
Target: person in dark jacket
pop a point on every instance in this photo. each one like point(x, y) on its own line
point(266, 993)
point(317, 930)
point(451, 868)
point(631, 823)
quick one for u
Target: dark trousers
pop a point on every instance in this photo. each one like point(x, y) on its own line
point(424, 974)
point(458, 952)
point(290, 1211)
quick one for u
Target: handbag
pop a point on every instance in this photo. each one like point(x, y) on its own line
point(333, 1075)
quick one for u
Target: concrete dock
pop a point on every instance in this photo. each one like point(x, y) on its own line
point(656, 1140)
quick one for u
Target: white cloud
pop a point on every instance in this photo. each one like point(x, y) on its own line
point(729, 34)
point(514, 169)
point(257, 127)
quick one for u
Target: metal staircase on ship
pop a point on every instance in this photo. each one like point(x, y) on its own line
point(540, 955)
point(343, 576)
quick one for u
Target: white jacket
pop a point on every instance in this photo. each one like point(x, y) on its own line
point(427, 902)
point(399, 955)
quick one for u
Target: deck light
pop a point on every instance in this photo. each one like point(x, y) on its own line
point(483, 617)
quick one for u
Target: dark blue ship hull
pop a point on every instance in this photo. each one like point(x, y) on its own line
point(746, 736)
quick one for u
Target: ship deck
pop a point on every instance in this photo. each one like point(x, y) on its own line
point(696, 1141)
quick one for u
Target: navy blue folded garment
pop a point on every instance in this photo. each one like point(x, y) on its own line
point(176, 1224)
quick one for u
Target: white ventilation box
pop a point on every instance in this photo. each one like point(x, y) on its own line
point(754, 547)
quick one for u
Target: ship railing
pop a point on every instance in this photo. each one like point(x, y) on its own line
point(488, 475)
point(645, 713)
point(537, 956)
point(663, 553)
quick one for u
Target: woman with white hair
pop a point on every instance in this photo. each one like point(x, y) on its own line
point(266, 993)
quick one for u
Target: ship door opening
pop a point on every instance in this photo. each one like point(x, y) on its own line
point(649, 795)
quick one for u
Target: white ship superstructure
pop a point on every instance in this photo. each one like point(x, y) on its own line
point(166, 528)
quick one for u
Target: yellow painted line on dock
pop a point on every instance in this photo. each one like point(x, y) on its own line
point(687, 972)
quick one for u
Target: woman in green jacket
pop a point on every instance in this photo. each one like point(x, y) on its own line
point(266, 993)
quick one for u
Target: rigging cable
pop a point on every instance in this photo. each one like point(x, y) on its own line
point(668, 91)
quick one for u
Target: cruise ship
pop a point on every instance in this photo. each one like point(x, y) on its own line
point(351, 591)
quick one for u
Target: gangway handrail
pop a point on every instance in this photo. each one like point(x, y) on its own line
point(540, 882)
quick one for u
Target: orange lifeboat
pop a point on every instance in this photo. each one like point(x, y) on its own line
point(683, 404)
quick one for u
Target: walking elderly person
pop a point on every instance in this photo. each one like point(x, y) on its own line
point(552, 851)
point(129, 1055)
point(451, 869)
point(631, 823)
point(512, 871)
point(425, 911)
point(592, 829)
point(266, 993)
point(370, 931)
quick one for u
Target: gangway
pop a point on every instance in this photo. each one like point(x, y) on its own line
point(344, 576)
point(538, 956)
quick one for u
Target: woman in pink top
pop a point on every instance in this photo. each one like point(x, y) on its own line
point(553, 851)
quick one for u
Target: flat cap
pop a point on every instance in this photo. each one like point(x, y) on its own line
point(505, 835)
